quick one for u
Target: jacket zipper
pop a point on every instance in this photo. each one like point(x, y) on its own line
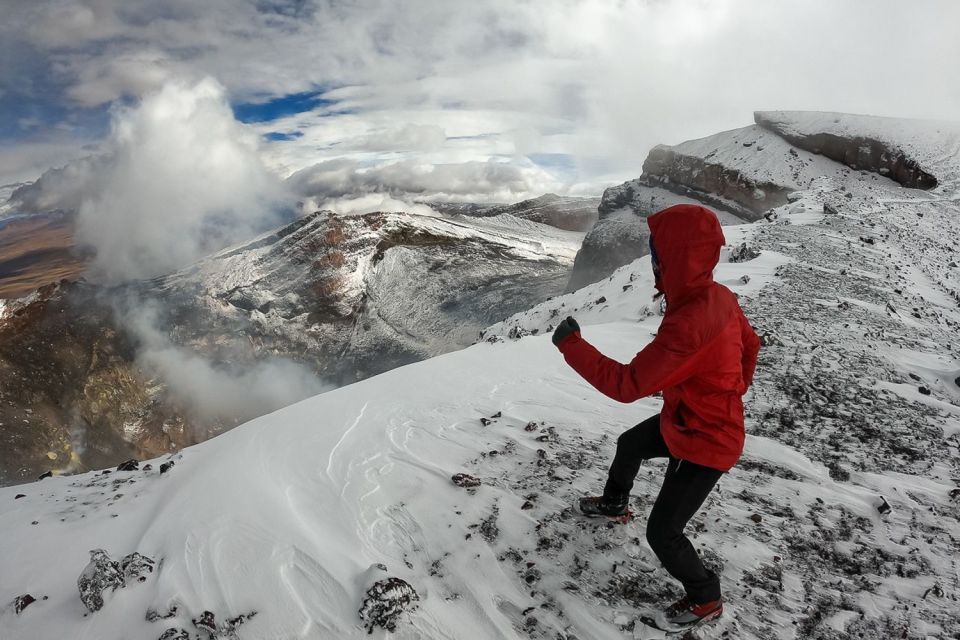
point(679, 462)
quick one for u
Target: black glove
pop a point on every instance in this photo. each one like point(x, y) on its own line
point(564, 329)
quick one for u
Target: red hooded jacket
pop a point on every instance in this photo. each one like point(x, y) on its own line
point(705, 351)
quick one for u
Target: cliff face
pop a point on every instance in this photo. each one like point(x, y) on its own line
point(342, 297)
point(621, 235)
point(860, 142)
point(718, 185)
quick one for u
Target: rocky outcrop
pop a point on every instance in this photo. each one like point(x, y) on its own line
point(621, 235)
point(386, 602)
point(616, 240)
point(714, 184)
point(837, 138)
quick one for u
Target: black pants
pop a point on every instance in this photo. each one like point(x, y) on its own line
point(685, 488)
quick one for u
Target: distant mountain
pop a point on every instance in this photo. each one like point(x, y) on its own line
point(345, 297)
point(571, 213)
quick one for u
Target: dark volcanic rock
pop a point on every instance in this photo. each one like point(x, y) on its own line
point(154, 616)
point(22, 602)
point(206, 621)
point(100, 575)
point(136, 566)
point(129, 465)
point(715, 184)
point(465, 480)
point(385, 602)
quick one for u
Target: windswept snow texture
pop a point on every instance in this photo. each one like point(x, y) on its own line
point(841, 520)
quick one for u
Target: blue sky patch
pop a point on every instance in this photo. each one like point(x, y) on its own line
point(281, 107)
point(279, 136)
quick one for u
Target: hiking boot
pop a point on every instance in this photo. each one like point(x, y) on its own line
point(603, 506)
point(685, 613)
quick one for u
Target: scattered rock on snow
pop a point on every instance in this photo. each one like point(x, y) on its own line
point(174, 633)
point(22, 602)
point(136, 566)
point(129, 465)
point(465, 480)
point(103, 573)
point(206, 622)
point(154, 616)
point(19, 495)
point(45, 474)
point(100, 574)
point(385, 603)
point(884, 506)
point(744, 253)
point(166, 466)
point(757, 518)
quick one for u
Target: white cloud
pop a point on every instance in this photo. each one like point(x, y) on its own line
point(210, 391)
point(410, 179)
point(179, 177)
point(367, 203)
point(599, 80)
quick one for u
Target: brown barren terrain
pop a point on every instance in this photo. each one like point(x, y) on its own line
point(35, 251)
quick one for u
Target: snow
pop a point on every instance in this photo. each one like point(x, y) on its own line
point(288, 515)
point(934, 145)
point(762, 156)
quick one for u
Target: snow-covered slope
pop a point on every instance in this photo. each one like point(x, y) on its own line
point(841, 520)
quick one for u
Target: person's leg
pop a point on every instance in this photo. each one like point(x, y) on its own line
point(685, 488)
point(635, 445)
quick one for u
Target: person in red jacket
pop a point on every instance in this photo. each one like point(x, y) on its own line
point(702, 360)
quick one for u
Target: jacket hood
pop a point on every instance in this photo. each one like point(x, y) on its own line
point(687, 239)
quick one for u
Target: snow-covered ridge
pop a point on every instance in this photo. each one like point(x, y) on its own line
point(902, 145)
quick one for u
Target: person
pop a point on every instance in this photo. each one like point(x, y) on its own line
point(702, 360)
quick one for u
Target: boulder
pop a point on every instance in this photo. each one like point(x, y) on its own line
point(386, 602)
point(99, 576)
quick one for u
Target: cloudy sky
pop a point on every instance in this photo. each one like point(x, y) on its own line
point(450, 99)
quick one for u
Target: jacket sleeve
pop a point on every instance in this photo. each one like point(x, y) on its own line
point(751, 347)
point(665, 362)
